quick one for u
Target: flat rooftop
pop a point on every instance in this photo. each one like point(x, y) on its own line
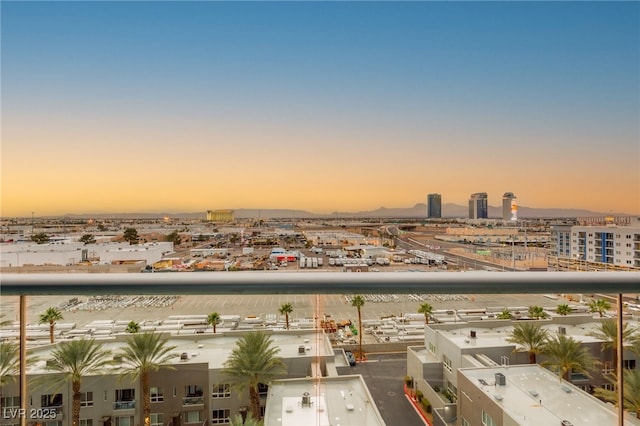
point(326, 401)
point(535, 396)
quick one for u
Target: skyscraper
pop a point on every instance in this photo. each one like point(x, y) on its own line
point(478, 207)
point(509, 206)
point(434, 206)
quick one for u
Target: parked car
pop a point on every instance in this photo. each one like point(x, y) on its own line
point(350, 357)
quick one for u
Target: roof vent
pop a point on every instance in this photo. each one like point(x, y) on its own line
point(562, 330)
point(501, 380)
point(306, 400)
point(566, 389)
point(184, 356)
point(566, 423)
point(301, 350)
point(473, 334)
point(498, 397)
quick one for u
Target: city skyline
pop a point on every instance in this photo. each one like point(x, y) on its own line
point(321, 106)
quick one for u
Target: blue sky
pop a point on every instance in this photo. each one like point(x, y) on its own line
point(451, 97)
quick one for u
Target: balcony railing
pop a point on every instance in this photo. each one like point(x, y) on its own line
point(193, 400)
point(124, 405)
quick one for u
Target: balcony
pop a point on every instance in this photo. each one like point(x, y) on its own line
point(193, 400)
point(124, 405)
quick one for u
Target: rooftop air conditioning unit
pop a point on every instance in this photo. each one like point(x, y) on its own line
point(473, 334)
point(501, 380)
point(301, 350)
point(562, 330)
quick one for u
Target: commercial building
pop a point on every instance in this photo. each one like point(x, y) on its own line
point(195, 391)
point(478, 206)
point(220, 215)
point(509, 207)
point(434, 206)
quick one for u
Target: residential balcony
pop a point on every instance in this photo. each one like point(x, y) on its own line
point(124, 405)
point(193, 400)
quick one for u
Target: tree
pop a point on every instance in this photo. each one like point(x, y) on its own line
point(213, 319)
point(358, 303)
point(145, 353)
point(132, 327)
point(427, 310)
point(285, 310)
point(600, 306)
point(505, 314)
point(530, 336)
point(537, 312)
point(131, 235)
point(9, 363)
point(237, 420)
point(51, 316)
point(563, 309)
point(607, 331)
point(253, 361)
point(87, 239)
point(76, 359)
point(630, 387)
point(40, 238)
point(567, 355)
point(174, 238)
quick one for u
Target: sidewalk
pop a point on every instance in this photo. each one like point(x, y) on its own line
point(416, 405)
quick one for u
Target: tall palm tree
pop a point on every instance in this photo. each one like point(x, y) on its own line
point(285, 310)
point(51, 316)
point(76, 359)
point(631, 390)
point(607, 331)
point(566, 355)
point(427, 310)
point(213, 319)
point(563, 309)
point(253, 361)
point(358, 303)
point(249, 421)
point(531, 336)
point(143, 354)
point(600, 306)
point(132, 327)
point(537, 312)
point(9, 363)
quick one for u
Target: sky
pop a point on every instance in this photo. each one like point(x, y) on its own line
point(122, 107)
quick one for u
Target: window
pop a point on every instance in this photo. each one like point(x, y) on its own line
point(432, 348)
point(86, 399)
point(156, 419)
point(85, 422)
point(10, 402)
point(221, 390)
point(51, 400)
point(220, 416)
point(124, 421)
point(193, 390)
point(193, 417)
point(487, 420)
point(447, 363)
point(609, 386)
point(607, 367)
point(263, 389)
point(156, 394)
point(125, 395)
point(465, 422)
point(629, 364)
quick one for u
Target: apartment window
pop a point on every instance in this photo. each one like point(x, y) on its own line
point(10, 402)
point(51, 400)
point(193, 416)
point(156, 419)
point(220, 416)
point(221, 390)
point(629, 364)
point(607, 367)
point(86, 399)
point(124, 421)
point(156, 394)
point(447, 363)
point(487, 420)
point(263, 389)
point(465, 422)
point(432, 348)
point(609, 386)
point(85, 422)
point(125, 395)
point(193, 390)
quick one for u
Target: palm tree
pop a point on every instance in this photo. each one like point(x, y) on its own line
point(249, 421)
point(537, 312)
point(51, 316)
point(358, 302)
point(563, 309)
point(631, 391)
point(427, 310)
point(505, 314)
point(76, 359)
point(132, 327)
point(9, 363)
point(599, 305)
point(143, 354)
point(531, 336)
point(285, 310)
point(213, 319)
point(607, 331)
point(253, 361)
point(566, 355)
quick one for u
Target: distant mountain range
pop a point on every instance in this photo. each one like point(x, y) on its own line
point(449, 210)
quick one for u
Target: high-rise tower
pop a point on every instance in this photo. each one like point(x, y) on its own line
point(509, 207)
point(478, 206)
point(434, 206)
